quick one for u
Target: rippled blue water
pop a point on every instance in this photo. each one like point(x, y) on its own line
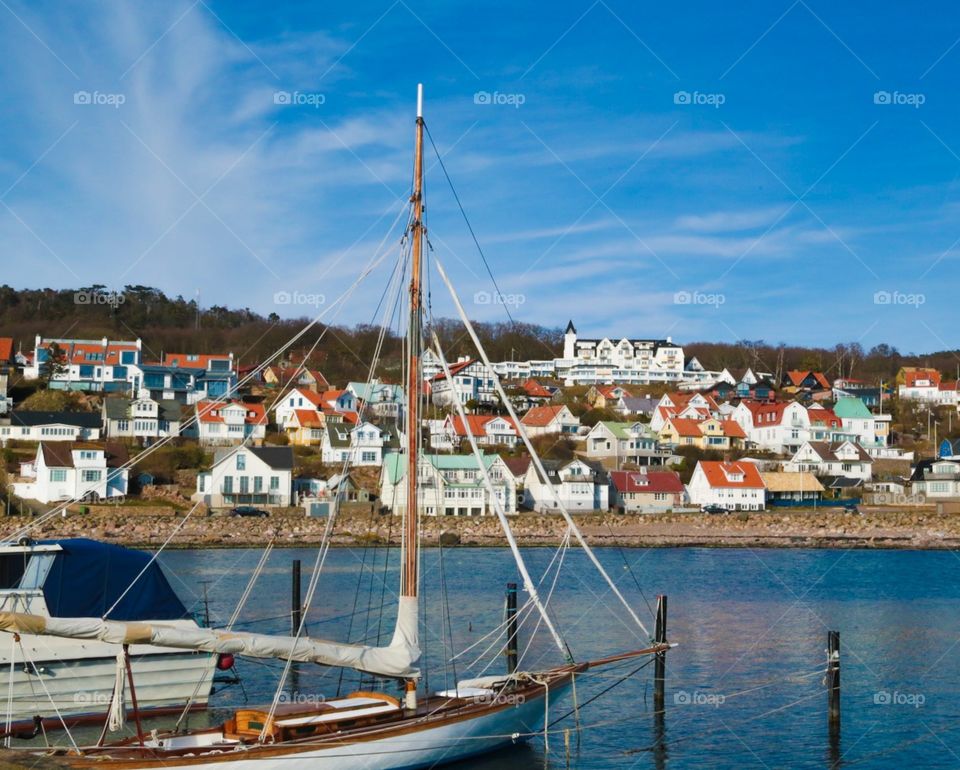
point(744, 686)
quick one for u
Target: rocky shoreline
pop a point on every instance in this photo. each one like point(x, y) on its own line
point(149, 527)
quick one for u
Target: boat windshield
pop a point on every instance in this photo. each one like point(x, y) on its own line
point(24, 571)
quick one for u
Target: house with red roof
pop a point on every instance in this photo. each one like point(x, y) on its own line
point(918, 384)
point(777, 426)
point(88, 365)
point(646, 491)
point(797, 380)
point(229, 422)
point(211, 362)
point(711, 433)
point(733, 486)
point(283, 376)
point(557, 418)
point(693, 406)
point(606, 396)
point(487, 429)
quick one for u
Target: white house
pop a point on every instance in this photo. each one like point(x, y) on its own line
point(735, 486)
point(63, 471)
point(91, 365)
point(52, 426)
point(261, 476)
point(608, 360)
point(487, 429)
point(581, 486)
point(687, 406)
point(450, 485)
point(646, 491)
point(845, 458)
point(297, 399)
point(471, 381)
point(936, 479)
point(541, 420)
point(625, 442)
point(777, 426)
point(229, 422)
point(143, 418)
point(361, 444)
point(382, 399)
point(920, 385)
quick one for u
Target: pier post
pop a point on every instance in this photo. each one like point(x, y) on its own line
point(512, 646)
point(833, 680)
point(660, 662)
point(296, 607)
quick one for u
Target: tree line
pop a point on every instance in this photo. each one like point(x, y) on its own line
point(176, 324)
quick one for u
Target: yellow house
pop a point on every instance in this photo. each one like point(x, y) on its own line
point(305, 427)
point(703, 434)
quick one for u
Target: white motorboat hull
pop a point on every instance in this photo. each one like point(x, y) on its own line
point(78, 677)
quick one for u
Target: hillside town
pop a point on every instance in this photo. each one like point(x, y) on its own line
point(626, 426)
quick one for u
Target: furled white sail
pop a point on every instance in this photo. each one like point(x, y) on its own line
point(395, 660)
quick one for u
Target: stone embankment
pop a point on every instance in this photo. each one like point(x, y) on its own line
point(151, 525)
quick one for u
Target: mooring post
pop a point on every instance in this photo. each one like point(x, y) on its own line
point(833, 679)
point(660, 662)
point(512, 646)
point(296, 608)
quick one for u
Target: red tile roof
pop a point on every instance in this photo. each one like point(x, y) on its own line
point(685, 427)
point(209, 411)
point(732, 429)
point(91, 352)
point(825, 417)
point(541, 416)
point(797, 377)
point(652, 481)
point(716, 474)
point(911, 378)
point(535, 390)
point(454, 369)
point(478, 424)
point(309, 418)
point(193, 360)
point(6, 349)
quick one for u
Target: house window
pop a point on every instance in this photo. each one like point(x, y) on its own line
point(90, 476)
point(241, 462)
point(274, 482)
point(228, 484)
point(368, 457)
point(244, 485)
point(258, 483)
point(58, 474)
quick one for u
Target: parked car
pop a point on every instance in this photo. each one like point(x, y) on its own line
point(713, 508)
point(247, 510)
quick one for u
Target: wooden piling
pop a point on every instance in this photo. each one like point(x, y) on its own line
point(833, 679)
point(296, 607)
point(660, 662)
point(512, 646)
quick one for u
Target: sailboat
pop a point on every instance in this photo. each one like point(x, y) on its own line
point(406, 728)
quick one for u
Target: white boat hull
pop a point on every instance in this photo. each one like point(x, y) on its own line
point(78, 677)
point(451, 741)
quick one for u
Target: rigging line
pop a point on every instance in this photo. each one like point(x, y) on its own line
point(629, 569)
point(445, 598)
point(603, 692)
point(562, 551)
point(43, 684)
point(153, 558)
point(533, 454)
point(466, 219)
point(250, 583)
point(353, 612)
point(498, 507)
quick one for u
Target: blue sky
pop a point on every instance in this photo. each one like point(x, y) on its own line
point(781, 170)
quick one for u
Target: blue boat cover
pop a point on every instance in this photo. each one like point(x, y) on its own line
point(87, 577)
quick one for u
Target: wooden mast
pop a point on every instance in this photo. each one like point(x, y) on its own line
point(408, 580)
